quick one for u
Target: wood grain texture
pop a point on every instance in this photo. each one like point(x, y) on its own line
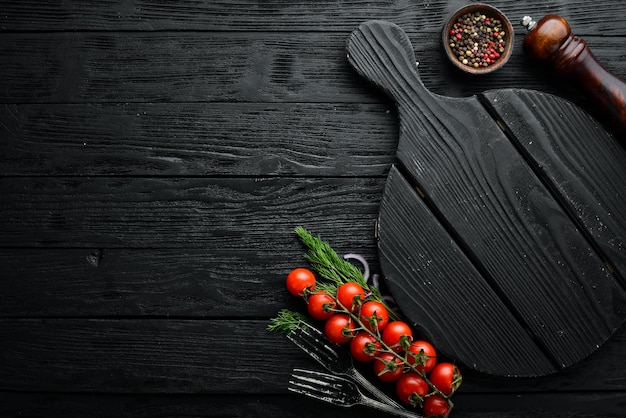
point(173, 66)
point(583, 165)
point(442, 292)
point(140, 282)
point(570, 405)
point(138, 137)
point(196, 139)
point(191, 283)
point(293, 406)
point(68, 67)
point(514, 231)
point(143, 356)
point(218, 213)
point(235, 357)
point(250, 15)
point(163, 405)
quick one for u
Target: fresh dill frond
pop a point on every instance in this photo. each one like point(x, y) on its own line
point(326, 261)
point(286, 321)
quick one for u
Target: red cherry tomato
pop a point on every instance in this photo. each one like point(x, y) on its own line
point(300, 279)
point(396, 331)
point(423, 355)
point(446, 377)
point(346, 294)
point(411, 388)
point(338, 328)
point(364, 347)
point(436, 406)
point(374, 315)
point(320, 305)
point(388, 367)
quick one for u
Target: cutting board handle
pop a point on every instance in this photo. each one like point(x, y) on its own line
point(382, 53)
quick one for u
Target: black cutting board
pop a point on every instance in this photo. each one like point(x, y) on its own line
point(501, 228)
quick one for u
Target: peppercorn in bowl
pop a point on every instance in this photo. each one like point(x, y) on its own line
point(478, 38)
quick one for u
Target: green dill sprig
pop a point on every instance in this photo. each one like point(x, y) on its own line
point(333, 268)
point(287, 321)
point(326, 261)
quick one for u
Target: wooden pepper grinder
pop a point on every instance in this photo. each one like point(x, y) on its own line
point(551, 40)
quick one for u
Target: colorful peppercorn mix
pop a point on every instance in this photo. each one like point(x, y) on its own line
point(477, 40)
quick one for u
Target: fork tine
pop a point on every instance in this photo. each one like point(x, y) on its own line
point(325, 383)
point(315, 376)
point(338, 391)
point(312, 341)
point(320, 386)
point(312, 389)
point(296, 387)
point(311, 351)
point(310, 330)
point(314, 393)
point(313, 344)
point(313, 385)
point(301, 341)
point(321, 341)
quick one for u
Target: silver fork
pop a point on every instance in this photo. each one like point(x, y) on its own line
point(313, 342)
point(338, 391)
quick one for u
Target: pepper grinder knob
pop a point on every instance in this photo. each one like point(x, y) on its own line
point(551, 41)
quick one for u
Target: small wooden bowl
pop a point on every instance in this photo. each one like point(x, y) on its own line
point(490, 12)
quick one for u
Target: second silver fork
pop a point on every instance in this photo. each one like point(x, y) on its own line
point(338, 391)
point(313, 342)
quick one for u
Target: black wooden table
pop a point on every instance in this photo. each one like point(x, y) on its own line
point(155, 159)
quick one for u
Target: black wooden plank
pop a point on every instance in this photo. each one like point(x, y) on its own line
point(444, 294)
point(583, 164)
point(117, 67)
point(572, 405)
point(174, 66)
point(178, 356)
point(137, 282)
point(569, 405)
point(143, 356)
point(167, 405)
point(217, 213)
point(198, 283)
point(251, 15)
point(577, 378)
point(516, 233)
point(197, 139)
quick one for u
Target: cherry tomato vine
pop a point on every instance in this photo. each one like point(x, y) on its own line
point(355, 314)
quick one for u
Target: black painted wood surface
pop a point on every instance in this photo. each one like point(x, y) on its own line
point(156, 156)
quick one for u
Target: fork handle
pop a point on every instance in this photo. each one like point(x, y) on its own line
point(372, 403)
point(367, 385)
